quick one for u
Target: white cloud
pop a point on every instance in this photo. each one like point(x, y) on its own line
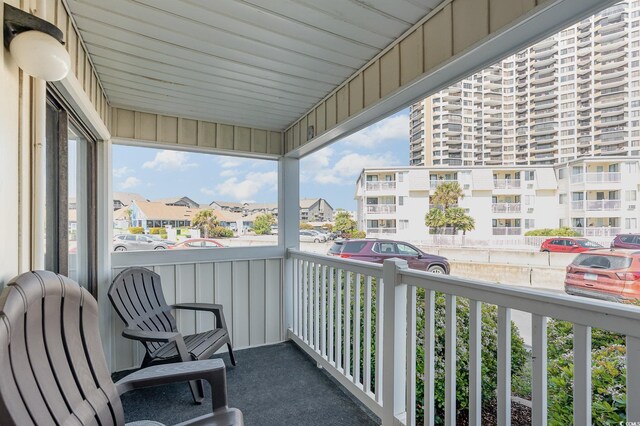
point(244, 190)
point(345, 170)
point(130, 182)
point(121, 171)
point(207, 191)
point(228, 173)
point(169, 160)
point(390, 129)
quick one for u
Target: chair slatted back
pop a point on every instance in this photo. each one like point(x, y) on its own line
point(136, 294)
point(51, 358)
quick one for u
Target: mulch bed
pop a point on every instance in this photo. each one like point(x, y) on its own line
point(520, 415)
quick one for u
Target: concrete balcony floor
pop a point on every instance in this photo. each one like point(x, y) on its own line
point(272, 385)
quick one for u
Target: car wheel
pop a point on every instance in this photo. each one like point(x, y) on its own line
point(316, 240)
point(120, 248)
point(436, 269)
point(159, 248)
point(545, 251)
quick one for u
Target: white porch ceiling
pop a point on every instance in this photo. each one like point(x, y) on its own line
point(254, 63)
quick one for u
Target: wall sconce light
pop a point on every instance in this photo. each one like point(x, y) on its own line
point(36, 45)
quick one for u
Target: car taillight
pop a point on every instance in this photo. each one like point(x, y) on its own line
point(569, 268)
point(346, 256)
point(628, 276)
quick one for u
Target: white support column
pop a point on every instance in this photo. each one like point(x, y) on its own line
point(104, 207)
point(394, 329)
point(288, 224)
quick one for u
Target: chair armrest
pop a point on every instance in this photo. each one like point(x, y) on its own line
point(150, 336)
point(211, 370)
point(214, 308)
point(210, 307)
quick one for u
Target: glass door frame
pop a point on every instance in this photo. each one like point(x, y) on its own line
point(57, 154)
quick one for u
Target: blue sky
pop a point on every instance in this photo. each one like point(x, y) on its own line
point(330, 173)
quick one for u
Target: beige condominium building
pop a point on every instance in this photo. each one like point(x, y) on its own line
point(575, 94)
point(595, 196)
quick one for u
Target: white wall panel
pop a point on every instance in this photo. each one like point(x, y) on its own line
point(250, 292)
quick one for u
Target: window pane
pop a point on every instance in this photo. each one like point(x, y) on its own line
point(177, 196)
point(78, 206)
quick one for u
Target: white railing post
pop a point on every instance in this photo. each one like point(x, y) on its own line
point(288, 232)
point(394, 346)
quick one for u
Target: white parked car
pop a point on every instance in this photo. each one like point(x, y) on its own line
point(312, 237)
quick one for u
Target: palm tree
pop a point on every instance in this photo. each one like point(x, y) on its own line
point(457, 218)
point(447, 194)
point(205, 220)
point(434, 219)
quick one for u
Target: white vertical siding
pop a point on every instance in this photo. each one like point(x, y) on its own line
point(249, 290)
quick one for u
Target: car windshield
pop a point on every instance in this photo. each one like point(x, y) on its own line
point(602, 261)
point(588, 244)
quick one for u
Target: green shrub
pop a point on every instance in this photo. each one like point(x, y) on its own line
point(489, 354)
point(548, 232)
point(136, 230)
point(354, 233)
point(154, 231)
point(608, 370)
point(220, 232)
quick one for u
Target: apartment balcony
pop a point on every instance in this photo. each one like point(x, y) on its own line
point(380, 231)
point(433, 184)
point(506, 183)
point(381, 186)
point(596, 177)
point(622, 149)
point(506, 207)
point(381, 208)
point(603, 205)
point(506, 230)
point(598, 231)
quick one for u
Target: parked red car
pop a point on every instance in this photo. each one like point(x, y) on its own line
point(194, 243)
point(377, 251)
point(568, 245)
point(605, 274)
point(626, 241)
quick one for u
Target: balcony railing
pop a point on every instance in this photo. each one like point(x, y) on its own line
point(381, 231)
point(433, 184)
point(381, 186)
point(603, 205)
point(506, 207)
point(507, 230)
point(506, 183)
point(596, 177)
point(359, 321)
point(577, 205)
point(381, 208)
point(600, 231)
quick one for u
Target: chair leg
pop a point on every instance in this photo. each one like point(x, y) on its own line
point(197, 391)
point(231, 356)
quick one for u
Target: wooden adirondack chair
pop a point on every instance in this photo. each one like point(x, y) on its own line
point(136, 295)
point(52, 367)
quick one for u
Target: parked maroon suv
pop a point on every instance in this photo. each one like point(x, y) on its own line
point(377, 251)
point(626, 241)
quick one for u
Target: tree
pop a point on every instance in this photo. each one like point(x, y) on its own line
point(457, 218)
point(262, 224)
point(343, 222)
point(435, 219)
point(447, 194)
point(205, 220)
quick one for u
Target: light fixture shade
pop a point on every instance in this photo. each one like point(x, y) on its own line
point(40, 55)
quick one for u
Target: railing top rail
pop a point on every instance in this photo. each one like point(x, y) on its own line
point(366, 268)
point(610, 316)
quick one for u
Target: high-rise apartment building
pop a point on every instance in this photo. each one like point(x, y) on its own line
point(575, 94)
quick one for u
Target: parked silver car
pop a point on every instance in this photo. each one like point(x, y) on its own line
point(134, 242)
point(312, 237)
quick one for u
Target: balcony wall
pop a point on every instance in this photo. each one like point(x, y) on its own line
point(249, 288)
